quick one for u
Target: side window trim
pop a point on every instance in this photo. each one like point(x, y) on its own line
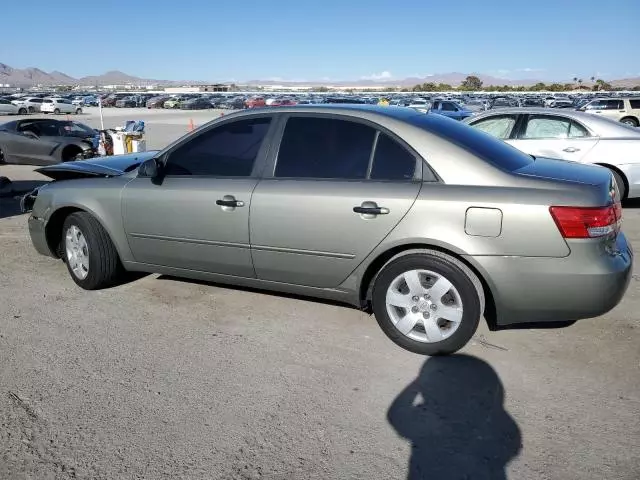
point(423, 171)
point(261, 157)
point(372, 155)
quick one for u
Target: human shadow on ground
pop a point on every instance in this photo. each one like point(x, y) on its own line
point(454, 417)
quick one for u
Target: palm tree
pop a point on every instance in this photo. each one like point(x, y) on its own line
point(593, 79)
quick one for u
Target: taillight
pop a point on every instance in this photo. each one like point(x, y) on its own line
point(587, 222)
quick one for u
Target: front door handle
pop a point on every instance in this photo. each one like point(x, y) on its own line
point(571, 149)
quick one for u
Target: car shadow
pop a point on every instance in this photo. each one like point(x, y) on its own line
point(631, 203)
point(454, 417)
point(11, 193)
point(271, 293)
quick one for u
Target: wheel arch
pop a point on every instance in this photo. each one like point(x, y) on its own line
point(618, 171)
point(631, 117)
point(375, 266)
point(53, 227)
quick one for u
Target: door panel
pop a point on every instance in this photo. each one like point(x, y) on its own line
point(306, 232)
point(178, 223)
point(23, 149)
point(573, 149)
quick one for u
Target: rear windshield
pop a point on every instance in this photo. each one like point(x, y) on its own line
point(490, 149)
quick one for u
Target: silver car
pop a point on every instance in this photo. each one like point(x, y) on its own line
point(424, 221)
point(570, 135)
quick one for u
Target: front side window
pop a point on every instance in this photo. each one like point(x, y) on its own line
point(595, 105)
point(546, 127)
point(499, 127)
point(324, 148)
point(229, 150)
point(448, 107)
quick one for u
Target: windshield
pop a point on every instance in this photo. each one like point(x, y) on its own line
point(74, 129)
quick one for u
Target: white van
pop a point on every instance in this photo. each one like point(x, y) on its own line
point(59, 105)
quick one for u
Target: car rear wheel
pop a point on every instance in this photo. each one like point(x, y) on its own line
point(57, 111)
point(428, 303)
point(22, 111)
point(78, 111)
point(31, 109)
point(630, 121)
point(91, 257)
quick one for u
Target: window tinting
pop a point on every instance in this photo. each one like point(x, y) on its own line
point(614, 105)
point(448, 107)
point(229, 150)
point(499, 127)
point(324, 148)
point(635, 103)
point(392, 161)
point(546, 127)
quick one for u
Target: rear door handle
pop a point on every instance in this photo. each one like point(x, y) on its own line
point(570, 149)
point(371, 210)
point(229, 201)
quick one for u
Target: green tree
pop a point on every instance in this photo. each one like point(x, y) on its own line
point(601, 85)
point(471, 83)
point(539, 87)
point(556, 87)
point(636, 88)
point(444, 87)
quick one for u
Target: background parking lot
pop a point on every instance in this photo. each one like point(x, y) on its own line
point(170, 378)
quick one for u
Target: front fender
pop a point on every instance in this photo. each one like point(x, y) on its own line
point(101, 197)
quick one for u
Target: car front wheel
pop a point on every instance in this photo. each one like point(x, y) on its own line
point(428, 303)
point(91, 257)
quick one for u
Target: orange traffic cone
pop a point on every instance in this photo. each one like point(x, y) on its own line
point(191, 126)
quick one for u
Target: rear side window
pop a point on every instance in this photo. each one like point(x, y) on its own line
point(577, 131)
point(635, 104)
point(546, 127)
point(392, 161)
point(614, 105)
point(448, 107)
point(47, 101)
point(324, 148)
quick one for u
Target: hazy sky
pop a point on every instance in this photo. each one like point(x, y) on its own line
point(222, 40)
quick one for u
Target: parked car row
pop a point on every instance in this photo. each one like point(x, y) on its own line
point(23, 106)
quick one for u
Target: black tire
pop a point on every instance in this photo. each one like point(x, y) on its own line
point(2, 160)
point(56, 111)
point(78, 111)
point(22, 111)
point(630, 121)
point(466, 283)
point(105, 268)
point(622, 186)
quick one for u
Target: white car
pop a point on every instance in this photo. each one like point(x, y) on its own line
point(8, 108)
point(569, 135)
point(59, 105)
point(29, 104)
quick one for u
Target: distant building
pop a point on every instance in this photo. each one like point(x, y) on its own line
point(218, 87)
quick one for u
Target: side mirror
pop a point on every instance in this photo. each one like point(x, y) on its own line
point(150, 168)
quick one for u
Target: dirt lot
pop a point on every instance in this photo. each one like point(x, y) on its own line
point(165, 378)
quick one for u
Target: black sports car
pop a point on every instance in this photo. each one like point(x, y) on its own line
point(44, 141)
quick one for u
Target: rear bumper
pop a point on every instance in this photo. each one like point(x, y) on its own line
point(588, 283)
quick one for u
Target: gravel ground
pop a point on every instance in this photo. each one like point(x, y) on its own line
point(167, 378)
